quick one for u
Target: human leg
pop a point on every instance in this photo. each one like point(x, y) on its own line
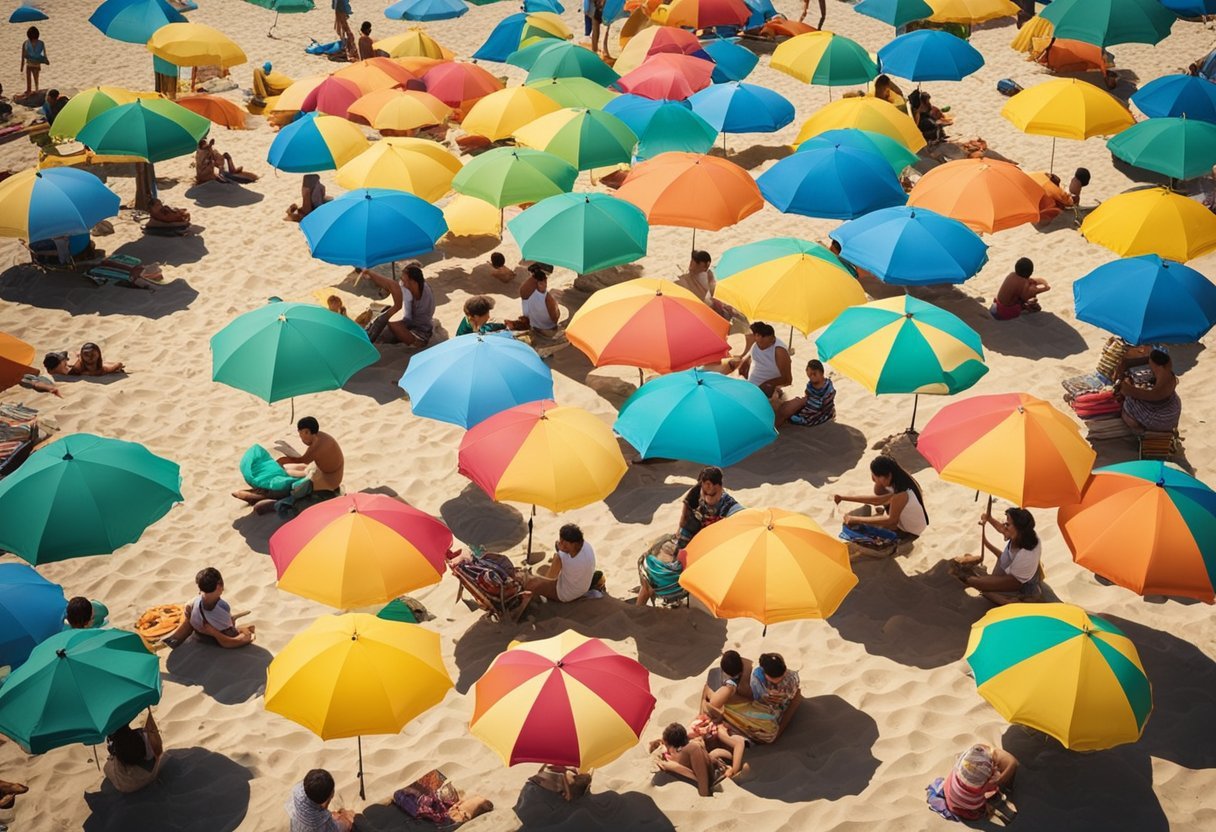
point(787, 409)
point(183, 630)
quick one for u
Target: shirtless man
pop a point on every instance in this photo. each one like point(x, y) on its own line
point(1019, 293)
point(322, 463)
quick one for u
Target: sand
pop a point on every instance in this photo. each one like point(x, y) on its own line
point(889, 704)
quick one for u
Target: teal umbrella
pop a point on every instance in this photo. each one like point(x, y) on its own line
point(898, 156)
point(1108, 22)
point(78, 686)
point(283, 7)
point(153, 128)
point(511, 175)
point(84, 495)
point(133, 21)
point(549, 58)
point(583, 232)
point(288, 349)
point(1180, 148)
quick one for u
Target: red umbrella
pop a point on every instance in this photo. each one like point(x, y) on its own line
point(459, 84)
point(333, 96)
point(668, 76)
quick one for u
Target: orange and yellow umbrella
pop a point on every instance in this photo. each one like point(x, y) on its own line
point(217, 110)
point(502, 112)
point(372, 74)
point(864, 113)
point(986, 195)
point(419, 64)
point(567, 701)
point(16, 356)
point(1152, 221)
point(970, 12)
point(692, 190)
point(418, 166)
point(399, 110)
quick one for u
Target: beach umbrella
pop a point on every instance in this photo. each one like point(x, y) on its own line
point(908, 246)
point(511, 175)
point(1147, 300)
point(416, 166)
point(788, 280)
point(929, 55)
point(573, 92)
point(1180, 148)
point(378, 73)
point(732, 62)
point(370, 226)
point(193, 44)
point(742, 108)
point(897, 13)
point(585, 138)
point(132, 21)
point(864, 113)
point(468, 216)
point(1169, 96)
point(78, 686)
point(459, 84)
point(654, 41)
point(84, 495)
point(896, 154)
point(1152, 221)
point(705, 14)
point(543, 6)
point(501, 113)
point(27, 14)
point(708, 418)
point(1190, 8)
point(1058, 670)
point(412, 43)
point(41, 204)
point(216, 110)
point(466, 380)
point(1146, 526)
point(282, 350)
point(970, 12)
point(824, 58)
point(835, 182)
point(314, 143)
point(1067, 108)
point(568, 700)
point(31, 611)
point(153, 129)
point(689, 190)
point(663, 126)
point(1109, 22)
point(667, 75)
point(292, 98)
point(584, 232)
point(1010, 445)
point(551, 58)
point(283, 7)
point(426, 10)
point(16, 360)
point(87, 104)
point(359, 549)
point(354, 675)
point(649, 323)
point(399, 110)
point(333, 96)
point(769, 565)
point(986, 195)
point(516, 31)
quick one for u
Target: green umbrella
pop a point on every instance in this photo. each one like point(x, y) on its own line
point(1108, 22)
point(562, 59)
point(573, 92)
point(78, 686)
point(1180, 148)
point(84, 495)
point(585, 138)
point(898, 156)
point(583, 232)
point(512, 175)
point(287, 349)
point(86, 105)
point(283, 7)
point(154, 129)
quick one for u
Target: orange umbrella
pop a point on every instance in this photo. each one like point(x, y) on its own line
point(16, 356)
point(983, 194)
point(691, 190)
point(217, 110)
point(667, 76)
point(460, 84)
point(649, 323)
point(419, 64)
point(374, 74)
point(293, 97)
point(395, 109)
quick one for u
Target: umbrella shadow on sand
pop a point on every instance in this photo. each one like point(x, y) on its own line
point(645, 489)
point(77, 295)
point(230, 677)
point(476, 519)
point(539, 808)
point(218, 194)
point(257, 529)
point(193, 783)
point(830, 449)
point(171, 251)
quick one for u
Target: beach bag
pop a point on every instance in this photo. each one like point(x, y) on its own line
point(874, 537)
point(331, 48)
point(1008, 86)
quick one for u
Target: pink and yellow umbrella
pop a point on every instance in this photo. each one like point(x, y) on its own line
point(374, 74)
point(703, 14)
point(653, 41)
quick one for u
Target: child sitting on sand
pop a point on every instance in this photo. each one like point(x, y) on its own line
point(209, 615)
point(705, 753)
point(816, 405)
point(477, 318)
point(977, 786)
point(1019, 293)
point(498, 268)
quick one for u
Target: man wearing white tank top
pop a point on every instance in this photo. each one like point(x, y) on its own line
point(767, 362)
point(538, 302)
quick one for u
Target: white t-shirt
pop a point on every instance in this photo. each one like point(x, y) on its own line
point(577, 570)
point(219, 617)
point(1022, 564)
point(912, 518)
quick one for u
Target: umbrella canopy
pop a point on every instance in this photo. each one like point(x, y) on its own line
point(314, 143)
point(285, 6)
point(378, 73)
point(835, 182)
point(1146, 526)
point(288, 349)
point(399, 110)
point(667, 75)
point(1147, 300)
point(1190, 8)
point(540, 453)
point(551, 58)
point(419, 167)
point(292, 98)
point(41, 204)
point(1054, 668)
point(707, 418)
point(986, 195)
point(466, 380)
point(824, 58)
point(516, 31)
point(468, 216)
point(216, 110)
point(970, 12)
point(1067, 108)
point(567, 700)
point(1180, 148)
point(153, 129)
point(511, 175)
point(16, 360)
point(909, 246)
point(692, 191)
point(86, 104)
point(705, 14)
point(412, 43)
point(1109, 22)
point(1152, 221)
point(27, 14)
point(359, 549)
point(193, 44)
point(585, 138)
point(649, 323)
point(133, 21)
point(732, 62)
point(84, 495)
point(31, 611)
point(903, 345)
point(742, 108)
point(770, 565)
point(663, 126)
point(459, 84)
point(583, 232)
point(864, 113)
point(370, 226)
point(78, 686)
point(897, 155)
point(501, 113)
point(1166, 97)
point(788, 280)
point(426, 10)
point(333, 96)
point(654, 41)
point(895, 13)
point(1010, 445)
point(929, 55)
point(573, 92)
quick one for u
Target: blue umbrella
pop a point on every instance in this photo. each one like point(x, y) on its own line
point(503, 39)
point(467, 379)
point(708, 418)
point(1147, 300)
point(543, 6)
point(898, 156)
point(27, 14)
point(1190, 8)
point(912, 247)
point(732, 62)
point(1173, 96)
point(835, 182)
point(134, 21)
point(57, 202)
point(895, 12)
point(31, 610)
point(426, 9)
point(663, 126)
point(735, 107)
point(762, 11)
point(315, 142)
point(370, 226)
point(929, 55)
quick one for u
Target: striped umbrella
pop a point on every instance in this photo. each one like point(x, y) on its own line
point(585, 138)
point(825, 58)
point(314, 143)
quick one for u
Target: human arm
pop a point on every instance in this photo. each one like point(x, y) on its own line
point(551, 305)
point(1160, 391)
point(986, 519)
point(745, 366)
point(865, 499)
point(153, 734)
point(994, 583)
point(389, 285)
point(1035, 286)
point(895, 504)
point(783, 366)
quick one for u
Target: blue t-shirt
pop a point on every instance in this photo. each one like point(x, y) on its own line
point(342, 6)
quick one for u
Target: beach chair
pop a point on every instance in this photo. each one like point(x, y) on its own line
point(493, 584)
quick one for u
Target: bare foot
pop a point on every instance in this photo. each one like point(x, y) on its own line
point(743, 769)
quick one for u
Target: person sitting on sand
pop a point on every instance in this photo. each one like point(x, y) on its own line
point(210, 164)
point(897, 496)
point(88, 363)
point(1016, 576)
point(978, 784)
point(773, 684)
point(161, 215)
point(411, 318)
point(81, 613)
point(929, 119)
point(887, 90)
point(564, 780)
point(52, 105)
point(135, 756)
point(210, 617)
point(477, 317)
point(498, 268)
point(1019, 293)
point(730, 679)
point(570, 573)
point(1157, 409)
point(766, 363)
point(699, 758)
point(312, 196)
point(816, 405)
point(308, 806)
point(9, 792)
point(322, 464)
point(700, 280)
point(538, 303)
point(1079, 181)
point(366, 49)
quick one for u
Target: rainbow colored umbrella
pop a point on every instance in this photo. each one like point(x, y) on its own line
point(511, 175)
point(1109, 22)
point(663, 126)
point(583, 232)
point(314, 143)
point(824, 58)
point(31, 611)
point(1147, 300)
point(897, 155)
point(153, 129)
point(41, 204)
point(585, 138)
point(133, 21)
point(909, 246)
point(834, 182)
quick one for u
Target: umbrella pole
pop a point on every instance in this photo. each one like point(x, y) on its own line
point(694, 238)
point(96, 761)
point(915, 402)
point(272, 25)
point(724, 150)
point(984, 525)
point(359, 740)
point(1051, 168)
point(641, 378)
point(530, 519)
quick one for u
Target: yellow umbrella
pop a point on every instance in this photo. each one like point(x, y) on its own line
point(1152, 221)
point(970, 12)
point(864, 113)
point(399, 110)
point(1067, 108)
point(356, 674)
point(768, 564)
point(418, 166)
point(1031, 30)
point(193, 44)
point(502, 112)
point(468, 216)
point(824, 58)
point(412, 43)
point(293, 97)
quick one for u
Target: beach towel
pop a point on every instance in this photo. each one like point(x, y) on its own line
point(261, 471)
point(935, 796)
point(753, 720)
point(429, 797)
point(331, 48)
point(875, 537)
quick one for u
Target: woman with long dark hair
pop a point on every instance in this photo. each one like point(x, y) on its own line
point(1017, 575)
point(897, 495)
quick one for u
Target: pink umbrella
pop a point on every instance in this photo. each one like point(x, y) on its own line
point(333, 97)
point(672, 76)
point(460, 84)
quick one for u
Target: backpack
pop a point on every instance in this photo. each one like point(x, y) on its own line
point(1008, 86)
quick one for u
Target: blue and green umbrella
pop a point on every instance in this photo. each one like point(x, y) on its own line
point(1147, 300)
point(662, 126)
point(911, 246)
point(370, 226)
point(31, 611)
point(929, 55)
point(898, 156)
point(154, 129)
point(549, 58)
point(584, 232)
point(133, 21)
point(1180, 148)
point(832, 181)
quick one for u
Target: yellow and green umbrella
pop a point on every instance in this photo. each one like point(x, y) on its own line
point(585, 138)
point(825, 58)
point(502, 112)
point(511, 175)
point(417, 166)
point(193, 44)
point(87, 104)
point(573, 92)
point(864, 113)
point(1152, 221)
point(1061, 671)
point(154, 129)
point(970, 12)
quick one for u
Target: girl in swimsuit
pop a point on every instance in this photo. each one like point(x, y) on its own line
point(33, 56)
